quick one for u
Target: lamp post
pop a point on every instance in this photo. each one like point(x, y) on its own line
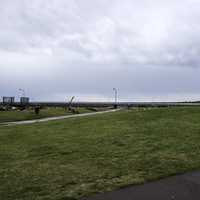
point(23, 92)
point(115, 90)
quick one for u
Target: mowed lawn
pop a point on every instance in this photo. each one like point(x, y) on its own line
point(17, 115)
point(78, 157)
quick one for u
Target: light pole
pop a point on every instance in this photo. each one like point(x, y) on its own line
point(115, 90)
point(23, 92)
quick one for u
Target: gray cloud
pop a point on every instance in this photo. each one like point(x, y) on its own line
point(87, 47)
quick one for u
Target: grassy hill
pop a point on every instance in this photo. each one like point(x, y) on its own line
point(72, 158)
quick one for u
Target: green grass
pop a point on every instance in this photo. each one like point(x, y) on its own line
point(78, 157)
point(16, 115)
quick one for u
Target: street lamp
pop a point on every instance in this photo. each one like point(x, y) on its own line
point(115, 90)
point(23, 91)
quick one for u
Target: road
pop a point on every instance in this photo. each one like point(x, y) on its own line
point(180, 187)
point(55, 118)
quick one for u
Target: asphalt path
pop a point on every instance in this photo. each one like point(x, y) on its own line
point(180, 187)
point(55, 118)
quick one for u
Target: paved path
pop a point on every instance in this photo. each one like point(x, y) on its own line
point(181, 187)
point(56, 118)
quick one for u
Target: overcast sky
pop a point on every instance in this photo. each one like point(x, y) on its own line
point(148, 49)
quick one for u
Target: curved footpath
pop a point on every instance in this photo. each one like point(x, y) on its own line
point(180, 187)
point(55, 118)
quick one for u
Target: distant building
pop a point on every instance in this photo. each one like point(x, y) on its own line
point(8, 100)
point(24, 100)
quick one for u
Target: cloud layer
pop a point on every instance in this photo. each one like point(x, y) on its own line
point(88, 47)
